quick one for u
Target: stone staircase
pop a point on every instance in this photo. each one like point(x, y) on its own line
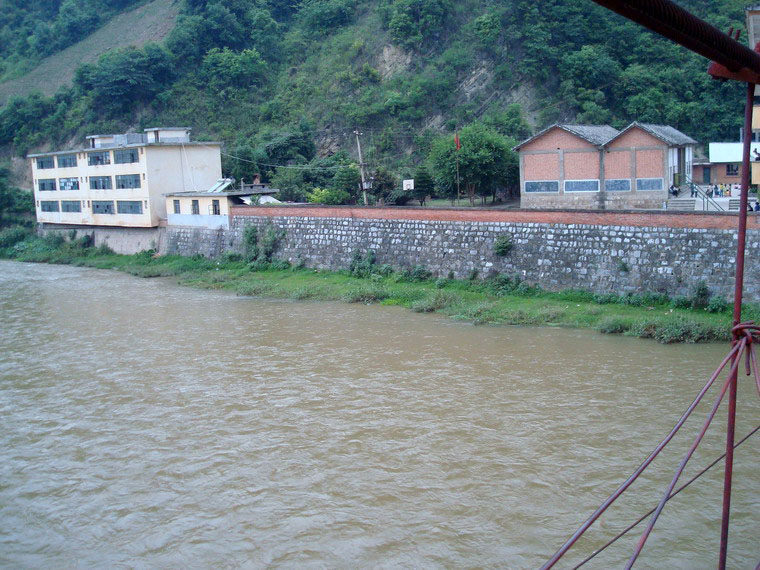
point(682, 204)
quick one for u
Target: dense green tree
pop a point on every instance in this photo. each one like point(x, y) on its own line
point(348, 179)
point(486, 162)
point(423, 185)
point(325, 15)
point(224, 68)
point(291, 183)
point(241, 161)
point(384, 183)
point(509, 122)
point(331, 196)
point(125, 77)
point(415, 21)
point(13, 200)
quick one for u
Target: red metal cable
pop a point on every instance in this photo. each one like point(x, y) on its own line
point(612, 498)
point(621, 534)
point(729, 383)
point(670, 20)
point(753, 357)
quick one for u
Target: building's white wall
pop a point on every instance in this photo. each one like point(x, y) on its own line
point(162, 169)
point(202, 221)
point(83, 171)
point(690, 162)
point(180, 169)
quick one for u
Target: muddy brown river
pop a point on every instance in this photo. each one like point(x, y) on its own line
point(147, 425)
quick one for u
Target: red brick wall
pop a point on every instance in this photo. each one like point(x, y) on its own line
point(636, 138)
point(650, 164)
point(617, 164)
point(581, 165)
point(555, 139)
point(605, 218)
point(541, 166)
point(720, 176)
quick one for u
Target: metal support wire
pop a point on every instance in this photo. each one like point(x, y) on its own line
point(628, 482)
point(730, 383)
point(747, 334)
point(630, 527)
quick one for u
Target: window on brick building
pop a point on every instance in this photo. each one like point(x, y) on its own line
point(542, 186)
point(581, 186)
point(732, 170)
point(176, 207)
point(617, 185)
point(196, 208)
point(649, 184)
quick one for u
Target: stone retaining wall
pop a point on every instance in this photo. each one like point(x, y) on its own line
point(644, 254)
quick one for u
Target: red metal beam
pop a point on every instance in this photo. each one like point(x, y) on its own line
point(670, 20)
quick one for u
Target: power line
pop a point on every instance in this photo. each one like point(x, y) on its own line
point(292, 166)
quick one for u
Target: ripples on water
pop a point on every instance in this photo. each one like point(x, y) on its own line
point(144, 424)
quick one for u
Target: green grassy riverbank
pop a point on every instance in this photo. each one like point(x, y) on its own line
point(497, 299)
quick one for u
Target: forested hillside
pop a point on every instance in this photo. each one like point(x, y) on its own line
point(286, 82)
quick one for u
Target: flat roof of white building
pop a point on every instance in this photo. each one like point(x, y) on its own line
point(729, 151)
point(131, 145)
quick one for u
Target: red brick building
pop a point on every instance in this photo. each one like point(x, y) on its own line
point(599, 167)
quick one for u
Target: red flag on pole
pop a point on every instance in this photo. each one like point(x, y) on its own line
point(456, 141)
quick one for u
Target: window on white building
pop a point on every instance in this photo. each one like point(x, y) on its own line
point(67, 160)
point(46, 184)
point(127, 181)
point(125, 156)
point(102, 207)
point(97, 158)
point(129, 207)
point(68, 183)
point(100, 183)
point(71, 206)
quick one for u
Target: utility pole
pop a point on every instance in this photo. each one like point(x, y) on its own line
point(457, 146)
point(361, 166)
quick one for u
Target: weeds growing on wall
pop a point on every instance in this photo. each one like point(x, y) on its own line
point(503, 245)
point(260, 245)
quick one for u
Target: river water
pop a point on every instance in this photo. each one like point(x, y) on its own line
point(143, 424)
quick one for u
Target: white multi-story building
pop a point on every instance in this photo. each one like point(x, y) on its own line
point(121, 180)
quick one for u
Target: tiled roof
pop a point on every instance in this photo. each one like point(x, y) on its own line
point(668, 134)
point(600, 135)
point(665, 133)
point(595, 134)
